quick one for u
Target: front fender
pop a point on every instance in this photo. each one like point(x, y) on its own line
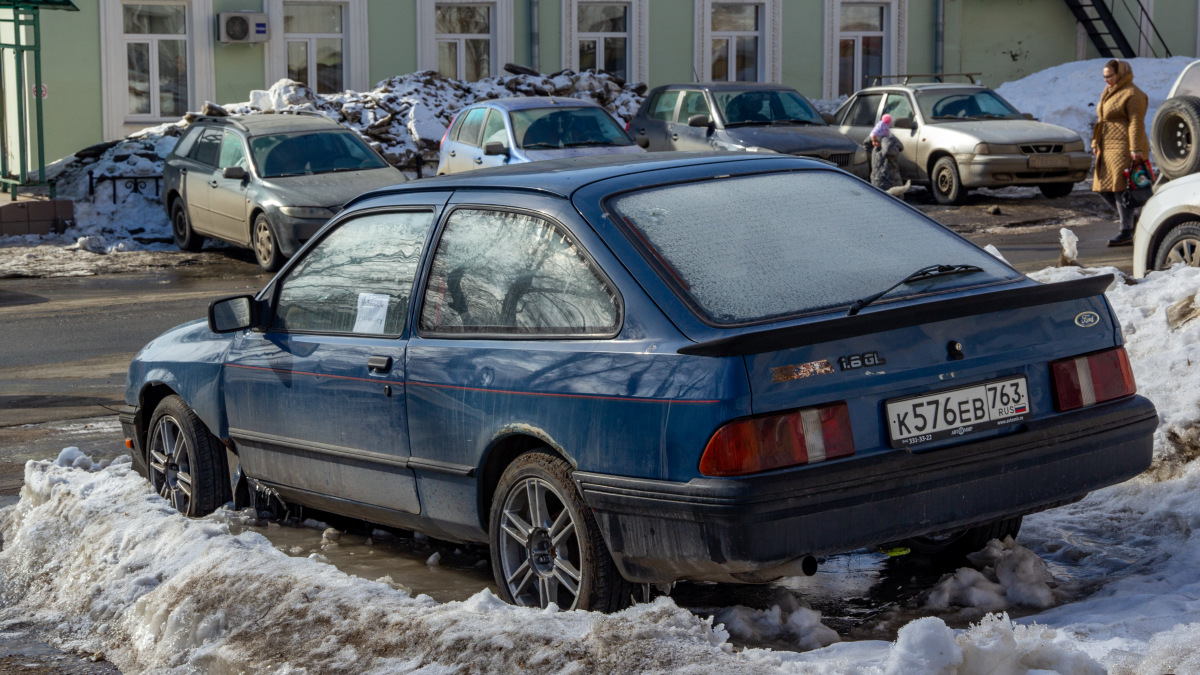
point(189, 360)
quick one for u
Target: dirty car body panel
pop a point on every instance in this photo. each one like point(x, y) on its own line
point(410, 419)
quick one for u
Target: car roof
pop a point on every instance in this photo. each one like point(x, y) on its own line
point(727, 86)
point(922, 86)
point(562, 177)
point(272, 123)
point(527, 102)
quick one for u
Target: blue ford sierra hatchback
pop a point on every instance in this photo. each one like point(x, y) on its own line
point(631, 370)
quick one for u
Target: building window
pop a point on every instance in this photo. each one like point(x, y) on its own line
point(314, 39)
point(736, 42)
point(155, 38)
point(603, 37)
point(464, 40)
point(863, 39)
point(860, 46)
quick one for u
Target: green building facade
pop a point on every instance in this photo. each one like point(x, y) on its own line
point(119, 65)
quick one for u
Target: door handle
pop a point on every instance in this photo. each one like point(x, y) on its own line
point(213, 183)
point(379, 364)
point(674, 137)
point(452, 154)
point(183, 171)
point(479, 160)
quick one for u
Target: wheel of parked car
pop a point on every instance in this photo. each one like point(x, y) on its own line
point(945, 183)
point(1181, 245)
point(545, 544)
point(958, 544)
point(1175, 130)
point(185, 237)
point(186, 461)
point(1056, 190)
point(266, 248)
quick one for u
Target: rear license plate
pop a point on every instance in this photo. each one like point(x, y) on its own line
point(919, 420)
point(1048, 161)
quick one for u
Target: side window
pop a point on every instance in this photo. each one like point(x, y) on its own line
point(208, 148)
point(493, 129)
point(469, 131)
point(511, 273)
point(693, 104)
point(898, 106)
point(358, 279)
point(233, 152)
point(864, 110)
point(663, 107)
point(184, 146)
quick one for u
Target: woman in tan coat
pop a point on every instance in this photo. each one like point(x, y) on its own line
point(1118, 140)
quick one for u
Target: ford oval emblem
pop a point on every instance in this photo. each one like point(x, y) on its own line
point(1087, 319)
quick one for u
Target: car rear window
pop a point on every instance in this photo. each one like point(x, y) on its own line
point(750, 249)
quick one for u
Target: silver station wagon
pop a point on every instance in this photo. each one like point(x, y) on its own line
point(962, 136)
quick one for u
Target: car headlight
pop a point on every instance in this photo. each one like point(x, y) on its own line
point(995, 149)
point(860, 155)
point(982, 149)
point(1073, 146)
point(306, 212)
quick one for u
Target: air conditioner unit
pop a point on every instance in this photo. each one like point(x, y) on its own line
point(242, 27)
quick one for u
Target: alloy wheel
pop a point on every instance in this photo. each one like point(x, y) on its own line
point(539, 546)
point(1185, 251)
point(264, 241)
point(170, 464)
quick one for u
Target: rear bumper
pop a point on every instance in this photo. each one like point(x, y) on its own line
point(758, 528)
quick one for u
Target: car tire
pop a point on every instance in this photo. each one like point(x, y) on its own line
point(264, 244)
point(956, 545)
point(1174, 136)
point(181, 229)
point(1056, 190)
point(558, 555)
point(186, 462)
point(1181, 245)
point(945, 183)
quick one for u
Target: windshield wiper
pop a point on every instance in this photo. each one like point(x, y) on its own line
point(540, 146)
point(744, 124)
point(923, 273)
point(792, 120)
point(584, 144)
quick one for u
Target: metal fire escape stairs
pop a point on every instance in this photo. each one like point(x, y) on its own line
point(1099, 20)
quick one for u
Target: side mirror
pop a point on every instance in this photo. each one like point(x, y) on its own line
point(234, 173)
point(233, 314)
point(495, 148)
point(1029, 116)
point(699, 121)
point(904, 123)
point(642, 142)
point(829, 118)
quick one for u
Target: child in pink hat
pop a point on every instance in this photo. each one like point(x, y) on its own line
point(883, 128)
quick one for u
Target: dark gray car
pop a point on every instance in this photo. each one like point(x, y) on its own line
point(741, 116)
point(266, 182)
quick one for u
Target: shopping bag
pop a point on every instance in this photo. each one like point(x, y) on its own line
point(1139, 179)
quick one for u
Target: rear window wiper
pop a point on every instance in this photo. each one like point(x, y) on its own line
point(923, 273)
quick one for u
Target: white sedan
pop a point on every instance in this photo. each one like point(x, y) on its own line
point(1168, 231)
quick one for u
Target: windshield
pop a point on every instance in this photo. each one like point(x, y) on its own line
point(791, 244)
point(301, 154)
point(553, 128)
point(770, 106)
point(959, 104)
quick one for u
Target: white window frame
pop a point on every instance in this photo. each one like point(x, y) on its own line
point(501, 36)
point(637, 36)
point(355, 43)
point(895, 41)
point(769, 32)
point(115, 118)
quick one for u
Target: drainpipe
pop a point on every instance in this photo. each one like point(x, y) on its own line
point(939, 36)
point(535, 55)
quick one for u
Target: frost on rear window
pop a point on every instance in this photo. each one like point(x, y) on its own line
point(753, 248)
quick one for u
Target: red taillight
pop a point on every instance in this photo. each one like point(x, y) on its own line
point(775, 441)
point(448, 127)
point(1093, 378)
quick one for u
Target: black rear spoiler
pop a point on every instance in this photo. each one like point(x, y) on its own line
point(840, 327)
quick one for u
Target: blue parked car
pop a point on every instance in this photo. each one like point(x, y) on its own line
point(635, 370)
point(529, 129)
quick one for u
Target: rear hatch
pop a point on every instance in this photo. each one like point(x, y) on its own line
point(808, 276)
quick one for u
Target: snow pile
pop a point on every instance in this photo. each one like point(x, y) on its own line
point(802, 626)
point(1068, 241)
point(1076, 89)
point(1009, 575)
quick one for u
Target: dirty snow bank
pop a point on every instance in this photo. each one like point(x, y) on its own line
point(96, 561)
point(1066, 95)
